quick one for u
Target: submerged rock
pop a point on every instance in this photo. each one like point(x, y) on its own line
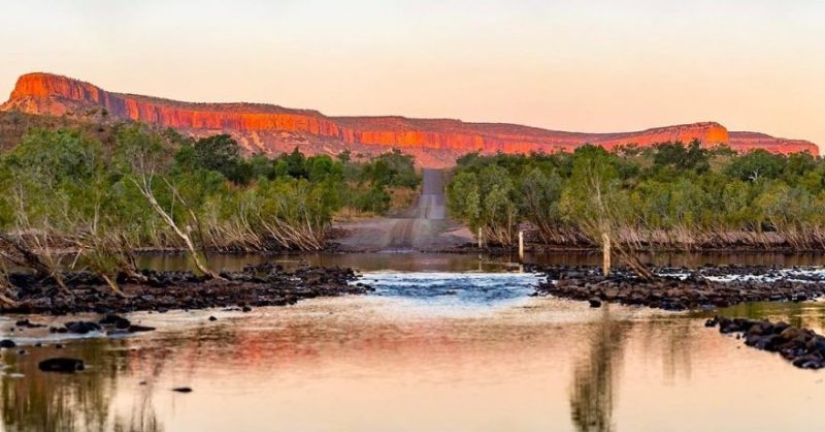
point(62, 365)
point(28, 324)
point(7, 343)
point(182, 389)
point(116, 321)
point(134, 328)
point(82, 327)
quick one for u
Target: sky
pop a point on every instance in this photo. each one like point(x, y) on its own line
point(592, 66)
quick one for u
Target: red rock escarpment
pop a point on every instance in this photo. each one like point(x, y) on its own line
point(272, 129)
point(744, 141)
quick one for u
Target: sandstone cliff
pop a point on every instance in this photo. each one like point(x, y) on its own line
point(273, 129)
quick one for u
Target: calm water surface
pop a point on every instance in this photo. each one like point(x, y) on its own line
point(432, 349)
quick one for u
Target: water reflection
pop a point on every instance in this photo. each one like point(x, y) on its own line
point(38, 401)
point(593, 392)
point(375, 364)
point(444, 262)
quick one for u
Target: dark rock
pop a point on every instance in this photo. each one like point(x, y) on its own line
point(22, 352)
point(182, 389)
point(134, 328)
point(61, 364)
point(212, 318)
point(28, 324)
point(82, 327)
point(246, 309)
point(595, 303)
point(7, 343)
point(115, 320)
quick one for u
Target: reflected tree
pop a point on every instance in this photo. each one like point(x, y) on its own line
point(592, 395)
point(76, 402)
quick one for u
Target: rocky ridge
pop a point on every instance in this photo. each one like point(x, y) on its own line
point(274, 129)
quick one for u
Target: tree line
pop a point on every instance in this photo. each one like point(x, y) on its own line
point(669, 195)
point(65, 189)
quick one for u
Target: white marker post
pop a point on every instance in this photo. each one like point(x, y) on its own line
point(521, 246)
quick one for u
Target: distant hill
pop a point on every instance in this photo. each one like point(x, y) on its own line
point(274, 129)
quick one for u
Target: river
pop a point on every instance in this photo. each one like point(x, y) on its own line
point(445, 343)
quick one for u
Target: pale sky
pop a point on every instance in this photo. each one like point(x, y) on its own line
point(592, 66)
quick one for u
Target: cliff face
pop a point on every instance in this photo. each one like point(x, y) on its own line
point(272, 129)
point(744, 141)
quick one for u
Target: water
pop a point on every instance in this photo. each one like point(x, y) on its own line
point(407, 261)
point(430, 350)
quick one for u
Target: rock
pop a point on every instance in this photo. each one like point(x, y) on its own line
point(82, 327)
point(595, 303)
point(7, 343)
point(61, 364)
point(115, 320)
point(212, 318)
point(182, 389)
point(134, 328)
point(246, 309)
point(58, 346)
point(792, 333)
point(429, 141)
point(28, 324)
point(809, 362)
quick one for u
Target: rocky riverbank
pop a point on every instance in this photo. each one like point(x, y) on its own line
point(802, 347)
point(678, 289)
point(254, 286)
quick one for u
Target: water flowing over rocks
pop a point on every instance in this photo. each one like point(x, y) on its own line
point(255, 286)
point(679, 289)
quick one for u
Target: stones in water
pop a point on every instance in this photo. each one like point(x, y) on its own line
point(595, 303)
point(255, 286)
point(61, 365)
point(115, 321)
point(212, 318)
point(182, 389)
point(135, 328)
point(802, 347)
point(7, 343)
point(28, 324)
point(82, 327)
point(676, 292)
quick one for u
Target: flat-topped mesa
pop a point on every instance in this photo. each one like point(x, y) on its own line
point(273, 129)
point(744, 141)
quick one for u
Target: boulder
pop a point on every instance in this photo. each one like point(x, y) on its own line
point(116, 321)
point(82, 327)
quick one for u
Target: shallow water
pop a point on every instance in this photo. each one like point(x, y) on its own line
point(429, 350)
point(408, 261)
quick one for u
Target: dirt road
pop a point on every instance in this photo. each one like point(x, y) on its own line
point(423, 227)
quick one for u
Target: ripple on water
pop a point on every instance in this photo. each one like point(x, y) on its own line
point(452, 293)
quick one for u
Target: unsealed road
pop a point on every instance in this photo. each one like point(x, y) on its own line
point(423, 227)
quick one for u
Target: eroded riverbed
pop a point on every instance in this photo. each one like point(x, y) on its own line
point(430, 349)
